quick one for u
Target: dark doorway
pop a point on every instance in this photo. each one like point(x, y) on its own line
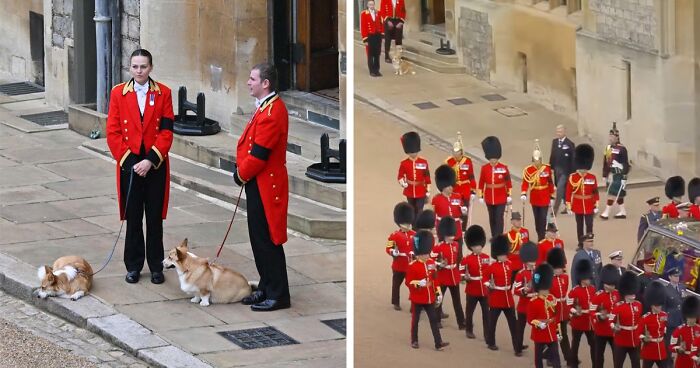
point(282, 38)
point(522, 61)
point(36, 46)
point(433, 11)
point(82, 72)
point(317, 34)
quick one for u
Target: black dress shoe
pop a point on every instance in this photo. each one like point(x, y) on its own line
point(269, 305)
point(132, 277)
point(157, 277)
point(256, 297)
point(388, 60)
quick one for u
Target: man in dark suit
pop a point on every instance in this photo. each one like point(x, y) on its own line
point(586, 251)
point(561, 159)
point(650, 217)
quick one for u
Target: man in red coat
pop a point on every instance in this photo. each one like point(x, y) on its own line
point(560, 288)
point(601, 306)
point(448, 267)
point(464, 171)
point(685, 339)
point(139, 135)
point(474, 267)
point(653, 326)
point(517, 236)
point(400, 247)
point(522, 287)
point(582, 190)
point(414, 174)
point(538, 180)
point(626, 322)
point(261, 167)
point(372, 30)
point(447, 203)
point(494, 184)
point(551, 240)
point(393, 13)
point(694, 198)
point(578, 304)
point(675, 190)
point(541, 315)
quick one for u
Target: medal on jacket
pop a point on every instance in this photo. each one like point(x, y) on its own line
point(151, 102)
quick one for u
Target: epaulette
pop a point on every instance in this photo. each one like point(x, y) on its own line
point(119, 85)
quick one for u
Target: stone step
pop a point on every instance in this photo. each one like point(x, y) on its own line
point(313, 108)
point(426, 45)
point(308, 217)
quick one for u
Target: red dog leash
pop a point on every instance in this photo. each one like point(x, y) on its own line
point(218, 253)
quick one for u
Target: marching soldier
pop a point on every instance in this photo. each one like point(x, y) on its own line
point(586, 251)
point(499, 276)
point(400, 247)
point(694, 198)
point(582, 190)
point(579, 305)
point(561, 159)
point(414, 174)
point(537, 178)
point(474, 267)
point(551, 240)
point(393, 13)
point(653, 215)
point(673, 306)
point(653, 327)
point(602, 306)
point(372, 31)
point(683, 338)
point(522, 287)
point(424, 290)
point(541, 314)
point(425, 221)
point(645, 279)
point(517, 236)
point(560, 288)
point(448, 266)
point(615, 169)
point(494, 184)
point(625, 323)
point(675, 190)
point(464, 170)
point(447, 203)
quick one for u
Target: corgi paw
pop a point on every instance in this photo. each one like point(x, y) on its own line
point(195, 299)
point(204, 303)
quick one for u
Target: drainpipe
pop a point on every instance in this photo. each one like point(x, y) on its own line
point(116, 43)
point(103, 30)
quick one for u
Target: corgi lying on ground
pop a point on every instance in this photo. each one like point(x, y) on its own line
point(209, 283)
point(70, 277)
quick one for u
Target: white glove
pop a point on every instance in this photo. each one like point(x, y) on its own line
point(523, 198)
point(481, 200)
point(422, 283)
point(551, 203)
point(541, 325)
point(464, 210)
point(403, 183)
point(509, 200)
point(439, 299)
point(487, 284)
point(472, 197)
point(595, 210)
point(395, 252)
point(624, 183)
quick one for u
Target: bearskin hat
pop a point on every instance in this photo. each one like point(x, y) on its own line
point(556, 258)
point(583, 269)
point(529, 252)
point(542, 277)
point(693, 189)
point(492, 147)
point(690, 307)
point(423, 242)
point(446, 227)
point(675, 187)
point(499, 246)
point(629, 284)
point(655, 293)
point(583, 157)
point(403, 213)
point(425, 220)
point(610, 275)
point(475, 235)
point(411, 142)
point(445, 176)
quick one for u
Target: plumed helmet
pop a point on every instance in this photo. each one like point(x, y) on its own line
point(542, 277)
point(583, 157)
point(690, 307)
point(445, 176)
point(499, 246)
point(675, 187)
point(492, 147)
point(425, 220)
point(423, 242)
point(537, 152)
point(693, 189)
point(411, 142)
point(556, 258)
point(583, 269)
point(458, 145)
point(629, 284)
point(446, 227)
point(610, 275)
point(475, 236)
point(655, 293)
point(614, 131)
point(529, 252)
point(403, 213)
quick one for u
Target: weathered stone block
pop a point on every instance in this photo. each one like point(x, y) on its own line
point(134, 28)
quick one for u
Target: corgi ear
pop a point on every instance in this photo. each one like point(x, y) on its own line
point(180, 254)
point(49, 273)
point(41, 272)
point(184, 244)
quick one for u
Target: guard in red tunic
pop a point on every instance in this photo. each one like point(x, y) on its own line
point(538, 179)
point(393, 13)
point(626, 323)
point(653, 327)
point(139, 136)
point(675, 190)
point(424, 289)
point(517, 236)
point(400, 247)
point(551, 240)
point(542, 317)
point(494, 184)
point(582, 190)
point(602, 306)
point(694, 198)
point(448, 203)
point(685, 338)
point(522, 287)
point(372, 31)
point(261, 156)
point(499, 276)
point(560, 288)
point(448, 266)
point(474, 267)
point(414, 174)
point(464, 170)
point(578, 304)
point(616, 166)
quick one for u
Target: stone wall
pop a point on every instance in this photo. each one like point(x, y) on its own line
point(475, 40)
point(62, 20)
point(130, 34)
point(631, 23)
point(15, 57)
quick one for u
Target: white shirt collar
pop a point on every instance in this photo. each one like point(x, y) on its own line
point(258, 103)
point(140, 87)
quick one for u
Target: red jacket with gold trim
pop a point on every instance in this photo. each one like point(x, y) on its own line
point(388, 10)
point(541, 315)
point(582, 193)
point(494, 183)
point(654, 329)
point(499, 275)
point(559, 289)
point(448, 273)
point(452, 206)
point(417, 175)
point(403, 242)
point(422, 270)
point(466, 184)
point(474, 268)
point(540, 182)
point(581, 297)
point(369, 26)
point(516, 238)
point(544, 246)
point(522, 287)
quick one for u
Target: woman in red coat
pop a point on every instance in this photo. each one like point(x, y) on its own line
point(139, 135)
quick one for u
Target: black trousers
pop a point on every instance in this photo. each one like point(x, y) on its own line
point(396, 281)
point(564, 343)
point(548, 351)
point(561, 177)
point(374, 50)
point(580, 219)
point(494, 313)
point(540, 215)
point(147, 195)
point(433, 318)
point(650, 363)
point(392, 32)
point(575, 343)
point(417, 204)
point(599, 347)
point(269, 257)
point(456, 303)
point(483, 302)
point(522, 322)
point(496, 218)
point(621, 352)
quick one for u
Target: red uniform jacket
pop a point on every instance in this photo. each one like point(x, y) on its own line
point(628, 317)
point(494, 184)
point(419, 270)
point(388, 10)
point(261, 154)
point(448, 274)
point(126, 131)
point(417, 175)
point(474, 268)
point(541, 184)
point(466, 184)
point(369, 26)
point(452, 207)
point(545, 246)
point(653, 325)
point(670, 210)
point(499, 274)
point(522, 287)
point(581, 296)
point(603, 302)
point(517, 237)
point(403, 242)
point(582, 193)
point(542, 309)
point(684, 342)
point(694, 211)
point(560, 287)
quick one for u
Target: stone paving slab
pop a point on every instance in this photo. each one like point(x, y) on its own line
point(332, 266)
point(283, 356)
point(111, 291)
point(4, 162)
point(164, 316)
point(124, 332)
point(171, 357)
point(36, 155)
point(13, 233)
point(83, 188)
point(36, 212)
point(28, 175)
point(306, 329)
point(78, 227)
point(87, 207)
point(81, 169)
point(29, 194)
point(200, 340)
